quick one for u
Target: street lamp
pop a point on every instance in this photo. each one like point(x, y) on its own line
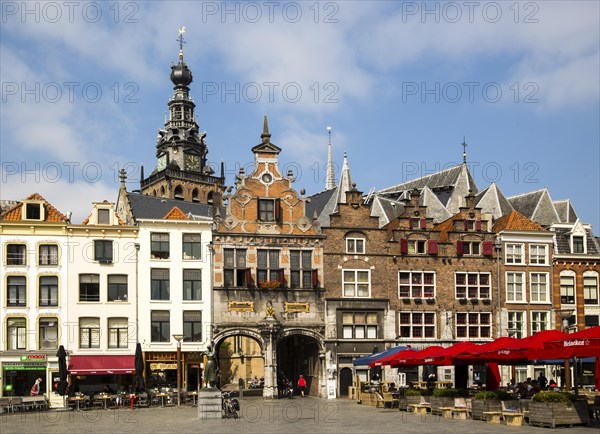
point(178, 338)
point(564, 315)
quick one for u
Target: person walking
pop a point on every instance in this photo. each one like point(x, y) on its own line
point(302, 385)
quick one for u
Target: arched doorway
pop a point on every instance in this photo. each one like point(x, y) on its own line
point(240, 356)
point(345, 381)
point(299, 354)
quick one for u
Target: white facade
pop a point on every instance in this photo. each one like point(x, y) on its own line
point(174, 300)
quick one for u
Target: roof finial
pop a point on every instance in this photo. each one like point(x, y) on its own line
point(330, 178)
point(265, 136)
point(181, 42)
point(464, 145)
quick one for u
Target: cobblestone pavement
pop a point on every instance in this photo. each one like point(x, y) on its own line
point(308, 415)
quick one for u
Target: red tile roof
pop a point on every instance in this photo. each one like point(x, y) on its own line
point(516, 221)
point(176, 214)
point(15, 213)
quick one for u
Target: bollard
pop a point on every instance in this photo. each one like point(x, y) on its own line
point(132, 401)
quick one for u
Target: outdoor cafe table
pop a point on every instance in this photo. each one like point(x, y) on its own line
point(162, 397)
point(77, 400)
point(105, 398)
point(194, 396)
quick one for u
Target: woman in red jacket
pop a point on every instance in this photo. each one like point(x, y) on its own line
point(301, 385)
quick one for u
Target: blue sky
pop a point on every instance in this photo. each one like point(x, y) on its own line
point(85, 87)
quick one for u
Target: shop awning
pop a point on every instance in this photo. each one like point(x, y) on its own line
point(100, 365)
point(364, 361)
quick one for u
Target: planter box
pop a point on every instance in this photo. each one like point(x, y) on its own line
point(481, 405)
point(405, 401)
point(553, 414)
point(440, 401)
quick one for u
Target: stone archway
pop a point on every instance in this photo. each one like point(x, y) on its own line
point(240, 355)
point(299, 352)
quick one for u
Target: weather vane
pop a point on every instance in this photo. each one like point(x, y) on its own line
point(180, 39)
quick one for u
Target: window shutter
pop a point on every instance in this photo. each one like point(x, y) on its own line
point(248, 277)
point(315, 278)
point(488, 248)
point(277, 210)
point(410, 222)
point(423, 223)
point(478, 225)
point(403, 246)
point(432, 247)
point(460, 248)
point(466, 225)
point(280, 277)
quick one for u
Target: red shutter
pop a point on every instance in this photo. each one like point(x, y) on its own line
point(466, 225)
point(459, 248)
point(432, 247)
point(403, 246)
point(277, 210)
point(410, 222)
point(423, 223)
point(248, 277)
point(488, 248)
point(478, 225)
point(280, 277)
point(315, 278)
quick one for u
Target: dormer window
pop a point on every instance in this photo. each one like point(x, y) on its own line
point(33, 211)
point(103, 216)
point(578, 245)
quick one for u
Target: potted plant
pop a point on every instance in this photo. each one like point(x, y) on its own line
point(462, 300)
point(487, 401)
point(486, 301)
point(557, 408)
point(445, 398)
point(474, 300)
point(269, 284)
point(430, 300)
point(418, 300)
point(406, 300)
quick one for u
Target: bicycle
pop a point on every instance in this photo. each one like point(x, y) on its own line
point(230, 406)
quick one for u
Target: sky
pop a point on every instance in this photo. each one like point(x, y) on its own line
point(85, 87)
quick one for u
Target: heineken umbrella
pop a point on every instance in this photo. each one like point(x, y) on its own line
point(139, 367)
point(62, 371)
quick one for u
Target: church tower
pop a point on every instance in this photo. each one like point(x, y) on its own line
point(182, 172)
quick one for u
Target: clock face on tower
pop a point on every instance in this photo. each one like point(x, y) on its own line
point(192, 162)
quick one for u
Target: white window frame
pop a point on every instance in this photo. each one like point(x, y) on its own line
point(478, 285)
point(355, 283)
point(422, 273)
point(584, 240)
point(514, 299)
point(513, 254)
point(536, 321)
point(352, 246)
point(534, 286)
point(535, 255)
point(468, 324)
point(571, 274)
point(589, 274)
point(356, 330)
point(412, 325)
point(516, 322)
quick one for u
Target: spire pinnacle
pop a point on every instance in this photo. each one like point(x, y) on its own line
point(464, 145)
point(330, 178)
point(181, 42)
point(265, 136)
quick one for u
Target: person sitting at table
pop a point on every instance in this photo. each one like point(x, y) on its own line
point(553, 386)
point(108, 390)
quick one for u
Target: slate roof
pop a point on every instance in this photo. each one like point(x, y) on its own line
point(444, 178)
point(14, 213)
point(492, 201)
point(385, 209)
point(153, 207)
point(318, 202)
point(562, 241)
point(565, 211)
point(515, 221)
point(536, 205)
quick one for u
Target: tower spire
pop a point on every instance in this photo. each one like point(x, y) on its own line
point(330, 179)
point(464, 145)
point(265, 136)
point(181, 42)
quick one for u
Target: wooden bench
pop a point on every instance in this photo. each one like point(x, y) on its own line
point(387, 398)
point(418, 408)
point(513, 418)
point(493, 416)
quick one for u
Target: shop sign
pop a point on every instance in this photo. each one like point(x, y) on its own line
point(23, 367)
point(32, 358)
point(162, 366)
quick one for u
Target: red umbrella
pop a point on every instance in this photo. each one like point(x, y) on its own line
point(416, 358)
point(516, 352)
point(387, 359)
point(474, 356)
point(445, 356)
point(584, 343)
point(493, 377)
